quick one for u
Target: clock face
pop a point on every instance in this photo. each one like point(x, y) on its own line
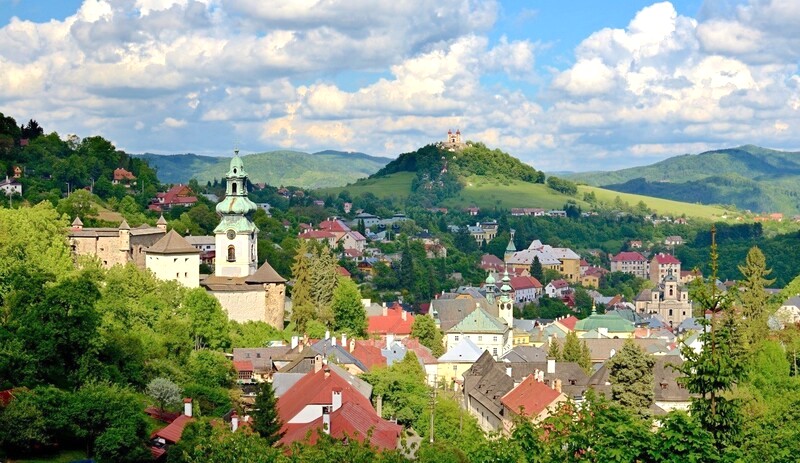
point(231, 234)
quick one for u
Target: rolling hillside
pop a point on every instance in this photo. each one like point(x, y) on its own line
point(317, 170)
point(749, 177)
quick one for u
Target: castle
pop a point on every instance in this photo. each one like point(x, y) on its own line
point(453, 141)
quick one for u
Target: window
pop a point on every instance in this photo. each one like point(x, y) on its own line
point(480, 338)
point(231, 253)
point(494, 338)
point(670, 312)
point(233, 188)
point(494, 351)
point(455, 338)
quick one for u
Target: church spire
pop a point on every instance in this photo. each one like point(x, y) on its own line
point(236, 235)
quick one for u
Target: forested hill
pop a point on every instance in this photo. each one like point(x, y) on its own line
point(749, 177)
point(296, 168)
point(474, 159)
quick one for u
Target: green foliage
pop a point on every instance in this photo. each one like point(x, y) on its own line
point(266, 421)
point(210, 368)
point(562, 186)
point(203, 442)
point(303, 310)
point(425, 330)
point(753, 297)
point(208, 400)
point(454, 429)
point(323, 281)
point(253, 334)
point(536, 269)
point(79, 203)
point(554, 350)
point(348, 311)
point(164, 391)
point(208, 322)
point(631, 374)
point(402, 387)
point(682, 439)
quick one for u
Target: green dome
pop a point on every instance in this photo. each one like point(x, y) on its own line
point(240, 205)
point(236, 169)
point(490, 280)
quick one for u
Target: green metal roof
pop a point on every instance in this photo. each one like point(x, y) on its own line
point(612, 322)
point(479, 321)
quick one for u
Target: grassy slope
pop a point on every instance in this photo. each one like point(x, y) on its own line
point(487, 193)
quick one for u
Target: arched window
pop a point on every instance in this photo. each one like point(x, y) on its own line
point(231, 253)
point(233, 188)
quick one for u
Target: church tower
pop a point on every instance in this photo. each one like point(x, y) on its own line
point(505, 305)
point(236, 236)
point(510, 249)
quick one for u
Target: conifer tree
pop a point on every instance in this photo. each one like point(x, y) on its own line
point(554, 351)
point(631, 374)
point(323, 283)
point(536, 269)
point(424, 328)
point(302, 306)
point(266, 421)
point(407, 269)
point(753, 297)
point(586, 358)
point(572, 348)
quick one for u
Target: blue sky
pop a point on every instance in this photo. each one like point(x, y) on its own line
point(561, 85)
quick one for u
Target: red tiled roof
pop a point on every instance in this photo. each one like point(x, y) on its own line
point(584, 263)
point(422, 352)
point(530, 398)
point(343, 271)
point(333, 226)
point(173, 431)
point(122, 174)
point(491, 261)
point(353, 252)
point(351, 421)
point(357, 236)
point(519, 283)
point(243, 365)
point(558, 284)
point(316, 388)
point(391, 323)
point(316, 234)
point(569, 322)
point(6, 396)
point(630, 256)
point(368, 354)
point(179, 194)
point(662, 259)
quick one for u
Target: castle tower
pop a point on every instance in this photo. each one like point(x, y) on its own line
point(236, 235)
point(505, 305)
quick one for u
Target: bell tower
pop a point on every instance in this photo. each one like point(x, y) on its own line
point(505, 304)
point(236, 236)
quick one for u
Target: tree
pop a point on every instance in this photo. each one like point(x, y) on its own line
point(631, 374)
point(209, 324)
point(302, 306)
point(79, 203)
point(210, 368)
point(554, 350)
point(407, 269)
point(266, 420)
point(425, 330)
point(402, 387)
point(164, 391)
point(348, 311)
point(203, 442)
point(753, 297)
point(681, 439)
point(323, 283)
point(536, 269)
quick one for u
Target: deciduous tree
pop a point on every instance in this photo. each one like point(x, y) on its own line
point(424, 328)
point(164, 391)
point(348, 311)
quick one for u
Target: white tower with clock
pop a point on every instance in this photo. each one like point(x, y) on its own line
point(236, 236)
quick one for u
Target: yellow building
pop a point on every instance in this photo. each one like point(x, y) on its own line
point(457, 360)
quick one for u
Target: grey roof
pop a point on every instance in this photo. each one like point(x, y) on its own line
point(261, 357)
point(363, 387)
point(600, 349)
point(464, 351)
point(792, 301)
point(172, 243)
point(200, 240)
point(339, 354)
point(525, 354)
point(282, 382)
point(690, 324)
point(265, 274)
point(524, 325)
point(665, 381)
point(394, 354)
point(449, 312)
point(573, 378)
point(490, 388)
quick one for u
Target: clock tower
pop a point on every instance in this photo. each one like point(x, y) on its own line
point(236, 236)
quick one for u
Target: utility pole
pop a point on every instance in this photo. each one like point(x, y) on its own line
point(433, 410)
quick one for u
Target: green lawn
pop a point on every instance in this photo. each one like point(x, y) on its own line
point(66, 456)
point(486, 192)
point(662, 206)
point(397, 185)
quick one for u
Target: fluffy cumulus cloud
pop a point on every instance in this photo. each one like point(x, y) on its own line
point(386, 77)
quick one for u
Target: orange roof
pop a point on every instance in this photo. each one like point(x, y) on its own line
point(352, 421)
point(530, 398)
point(391, 323)
point(173, 431)
point(569, 322)
point(368, 354)
point(122, 174)
point(243, 365)
point(334, 225)
point(524, 283)
point(316, 388)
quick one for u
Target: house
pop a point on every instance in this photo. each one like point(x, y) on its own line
point(527, 211)
point(563, 260)
point(526, 289)
point(668, 393)
point(244, 371)
point(115, 245)
point(488, 332)
point(635, 244)
point(457, 360)
point(172, 258)
point(17, 171)
point(124, 177)
point(669, 300)
point(605, 325)
point(673, 240)
point(393, 320)
point(787, 314)
point(10, 187)
point(369, 220)
point(321, 236)
point(532, 400)
point(260, 359)
point(602, 349)
point(473, 211)
point(592, 276)
point(161, 440)
point(178, 195)
point(631, 262)
point(485, 383)
point(556, 288)
point(663, 264)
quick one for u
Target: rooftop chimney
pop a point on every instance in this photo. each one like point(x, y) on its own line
point(327, 334)
point(557, 385)
point(327, 372)
point(187, 406)
point(317, 363)
point(336, 399)
point(344, 340)
point(389, 340)
point(551, 366)
point(326, 419)
point(295, 341)
point(352, 345)
point(234, 422)
point(379, 406)
point(403, 314)
point(384, 311)
point(333, 341)
point(508, 372)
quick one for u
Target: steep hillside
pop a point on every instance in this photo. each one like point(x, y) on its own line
point(318, 170)
point(749, 177)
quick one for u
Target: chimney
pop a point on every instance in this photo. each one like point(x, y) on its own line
point(344, 340)
point(327, 372)
point(295, 341)
point(187, 406)
point(389, 340)
point(379, 406)
point(385, 311)
point(403, 314)
point(557, 385)
point(333, 341)
point(541, 376)
point(326, 419)
point(551, 366)
point(336, 399)
point(352, 345)
point(317, 363)
point(508, 372)
point(234, 421)
point(327, 334)
point(536, 374)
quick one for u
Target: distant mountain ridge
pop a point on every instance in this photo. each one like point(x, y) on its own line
point(322, 169)
point(749, 177)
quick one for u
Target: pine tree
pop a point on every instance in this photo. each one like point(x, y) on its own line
point(323, 283)
point(266, 421)
point(554, 351)
point(586, 358)
point(572, 348)
point(407, 269)
point(302, 306)
point(753, 297)
point(536, 269)
point(348, 311)
point(631, 374)
point(719, 365)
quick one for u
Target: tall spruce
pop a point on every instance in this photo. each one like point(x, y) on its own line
point(324, 278)
point(631, 374)
point(407, 269)
point(266, 421)
point(719, 365)
point(753, 296)
point(554, 350)
point(536, 269)
point(302, 305)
